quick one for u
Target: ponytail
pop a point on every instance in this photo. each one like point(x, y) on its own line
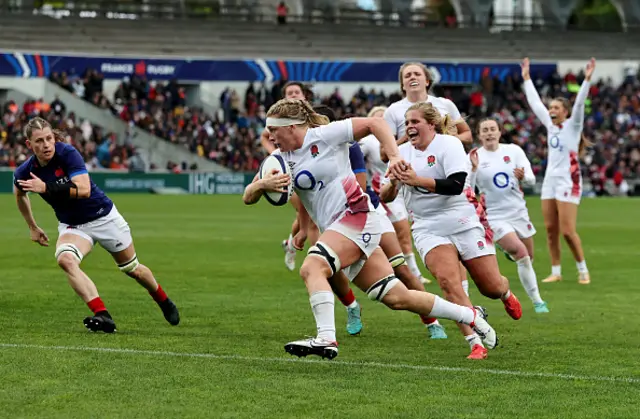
point(447, 126)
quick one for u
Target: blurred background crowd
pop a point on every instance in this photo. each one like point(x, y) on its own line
point(230, 134)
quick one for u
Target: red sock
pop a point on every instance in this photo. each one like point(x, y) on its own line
point(348, 299)
point(96, 305)
point(159, 295)
point(428, 320)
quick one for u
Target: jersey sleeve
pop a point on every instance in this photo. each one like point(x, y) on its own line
point(454, 158)
point(356, 158)
point(388, 116)
point(74, 163)
point(336, 133)
point(577, 113)
point(20, 174)
point(536, 104)
point(523, 162)
point(453, 111)
point(472, 177)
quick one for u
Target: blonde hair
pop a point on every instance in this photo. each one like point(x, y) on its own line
point(38, 123)
point(375, 110)
point(444, 125)
point(297, 109)
point(427, 75)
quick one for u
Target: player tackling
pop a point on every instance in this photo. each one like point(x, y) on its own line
point(57, 172)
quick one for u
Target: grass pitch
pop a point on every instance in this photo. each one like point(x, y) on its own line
point(222, 264)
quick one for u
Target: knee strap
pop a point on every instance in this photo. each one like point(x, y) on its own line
point(377, 291)
point(325, 252)
point(69, 248)
point(397, 260)
point(130, 266)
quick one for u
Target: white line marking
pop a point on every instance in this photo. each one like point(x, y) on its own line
point(526, 374)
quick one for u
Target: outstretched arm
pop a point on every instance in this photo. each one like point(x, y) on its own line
point(533, 98)
point(577, 113)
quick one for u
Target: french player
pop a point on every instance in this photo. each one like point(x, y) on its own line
point(498, 170)
point(57, 172)
point(562, 185)
point(445, 227)
point(350, 228)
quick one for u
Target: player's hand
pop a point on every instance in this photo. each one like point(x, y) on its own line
point(409, 177)
point(591, 66)
point(518, 172)
point(299, 239)
point(473, 156)
point(39, 236)
point(35, 184)
point(276, 181)
point(396, 167)
point(525, 69)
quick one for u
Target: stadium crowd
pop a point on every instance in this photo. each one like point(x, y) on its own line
point(230, 136)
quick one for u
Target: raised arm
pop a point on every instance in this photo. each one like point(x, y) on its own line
point(577, 113)
point(533, 98)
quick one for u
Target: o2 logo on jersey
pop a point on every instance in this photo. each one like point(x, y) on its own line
point(306, 182)
point(431, 160)
point(554, 142)
point(501, 180)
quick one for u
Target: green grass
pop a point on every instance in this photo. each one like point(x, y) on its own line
point(222, 264)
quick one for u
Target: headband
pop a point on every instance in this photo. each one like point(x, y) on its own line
point(283, 122)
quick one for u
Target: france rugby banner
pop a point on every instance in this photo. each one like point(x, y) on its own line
point(185, 70)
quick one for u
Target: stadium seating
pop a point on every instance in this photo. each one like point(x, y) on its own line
point(225, 38)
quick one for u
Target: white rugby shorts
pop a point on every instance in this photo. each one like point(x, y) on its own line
point(111, 231)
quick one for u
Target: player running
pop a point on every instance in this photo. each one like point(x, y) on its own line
point(445, 227)
point(415, 82)
point(498, 170)
point(389, 243)
point(57, 172)
point(562, 185)
point(350, 228)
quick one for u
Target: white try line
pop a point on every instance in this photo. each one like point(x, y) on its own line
point(266, 360)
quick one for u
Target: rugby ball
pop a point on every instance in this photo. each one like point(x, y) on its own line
point(271, 162)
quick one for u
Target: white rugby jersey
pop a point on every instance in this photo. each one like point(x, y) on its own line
point(441, 215)
point(394, 115)
point(322, 175)
point(494, 178)
point(376, 168)
point(562, 140)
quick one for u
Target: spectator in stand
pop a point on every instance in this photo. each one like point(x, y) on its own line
point(282, 11)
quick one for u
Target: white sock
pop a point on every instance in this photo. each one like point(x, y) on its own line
point(447, 310)
point(506, 295)
point(582, 267)
point(474, 340)
point(413, 266)
point(465, 286)
point(528, 279)
point(556, 270)
point(322, 304)
point(353, 305)
point(434, 323)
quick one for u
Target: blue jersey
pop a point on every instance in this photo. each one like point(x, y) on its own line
point(63, 166)
point(356, 157)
